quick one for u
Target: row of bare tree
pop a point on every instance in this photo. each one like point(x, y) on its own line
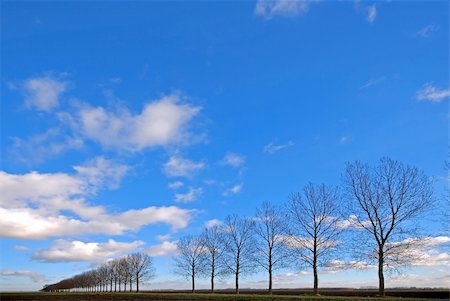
point(375, 207)
point(110, 276)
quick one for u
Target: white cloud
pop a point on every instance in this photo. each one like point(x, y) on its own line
point(432, 93)
point(372, 82)
point(38, 206)
point(67, 251)
point(163, 237)
point(337, 265)
point(160, 123)
point(191, 195)
point(371, 13)
point(272, 148)
point(165, 249)
point(282, 8)
point(21, 248)
point(180, 167)
point(175, 185)
point(212, 223)
point(236, 189)
point(345, 139)
point(427, 31)
point(43, 93)
point(38, 148)
point(234, 160)
point(36, 277)
point(100, 172)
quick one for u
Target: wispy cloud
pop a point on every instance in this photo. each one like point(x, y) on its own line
point(175, 185)
point(36, 277)
point(43, 93)
point(282, 8)
point(372, 82)
point(40, 147)
point(235, 189)
point(190, 196)
point(371, 13)
point(432, 93)
point(273, 148)
point(427, 31)
point(345, 139)
point(181, 167)
point(233, 159)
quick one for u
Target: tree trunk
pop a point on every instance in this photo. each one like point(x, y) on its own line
point(131, 282)
point(381, 272)
point(137, 283)
point(212, 276)
point(316, 278)
point(193, 283)
point(270, 271)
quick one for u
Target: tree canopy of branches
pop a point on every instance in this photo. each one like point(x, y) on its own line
point(270, 228)
point(190, 259)
point(314, 225)
point(386, 199)
point(239, 246)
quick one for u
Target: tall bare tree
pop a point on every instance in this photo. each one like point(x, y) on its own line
point(190, 259)
point(141, 267)
point(239, 246)
point(314, 225)
point(270, 230)
point(214, 247)
point(387, 198)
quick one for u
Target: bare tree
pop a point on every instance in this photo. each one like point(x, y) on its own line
point(387, 198)
point(314, 225)
point(141, 267)
point(190, 259)
point(239, 246)
point(270, 228)
point(214, 247)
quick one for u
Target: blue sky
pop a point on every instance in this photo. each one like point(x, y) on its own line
point(127, 125)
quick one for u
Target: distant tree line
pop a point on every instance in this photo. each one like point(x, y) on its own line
point(375, 205)
point(118, 275)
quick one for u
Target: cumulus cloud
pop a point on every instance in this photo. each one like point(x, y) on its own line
point(432, 93)
point(236, 189)
point(41, 205)
point(273, 148)
point(160, 123)
point(233, 159)
point(36, 277)
point(427, 31)
point(164, 249)
point(281, 8)
point(191, 195)
point(180, 167)
point(67, 251)
point(337, 265)
point(43, 93)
